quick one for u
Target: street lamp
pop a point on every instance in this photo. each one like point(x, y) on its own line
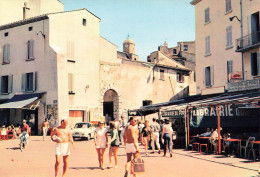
point(231, 18)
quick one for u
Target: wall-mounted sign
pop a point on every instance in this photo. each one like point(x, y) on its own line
point(173, 113)
point(244, 85)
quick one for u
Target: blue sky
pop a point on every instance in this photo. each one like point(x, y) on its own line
point(148, 22)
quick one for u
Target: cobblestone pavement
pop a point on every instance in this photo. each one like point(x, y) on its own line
point(37, 160)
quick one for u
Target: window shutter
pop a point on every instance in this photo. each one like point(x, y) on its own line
point(35, 81)
point(207, 15)
point(258, 63)
point(212, 75)
point(30, 49)
point(8, 54)
point(4, 54)
point(204, 77)
point(70, 82)
point(1, 80)
point(252, 64)
point(10, 83)
point(23, 82)
point(72, 50)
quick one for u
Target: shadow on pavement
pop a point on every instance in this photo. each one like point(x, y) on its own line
point(83, 168)
point(14, 148)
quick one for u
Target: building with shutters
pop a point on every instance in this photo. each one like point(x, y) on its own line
point(227, 45)
point(55, 64)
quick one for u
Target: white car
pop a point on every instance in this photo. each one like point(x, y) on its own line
point(83, 130)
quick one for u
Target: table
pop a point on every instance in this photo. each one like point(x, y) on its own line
point(233, 140)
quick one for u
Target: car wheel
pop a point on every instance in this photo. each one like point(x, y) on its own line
point(89, 136)
point(74, 139)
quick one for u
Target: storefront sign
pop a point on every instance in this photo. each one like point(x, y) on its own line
point(173, 113)
point(244, 85)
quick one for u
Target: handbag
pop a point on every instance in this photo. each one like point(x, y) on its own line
point(137, 165)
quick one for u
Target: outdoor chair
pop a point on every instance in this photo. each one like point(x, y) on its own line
point(206, 146)
point(253, 150)
point(196, 144)
point(245, 147)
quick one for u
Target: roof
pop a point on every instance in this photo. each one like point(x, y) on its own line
point(199, 101)
point(194, 2)
point(37, 18)
point(20, 101)
point(129, 41)
point(123, 55)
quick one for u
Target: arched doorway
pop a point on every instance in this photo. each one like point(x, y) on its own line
point(111, 104)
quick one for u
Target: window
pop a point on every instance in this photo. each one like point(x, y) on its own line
point(180, 77)
point(207, 19)
point(161, 74)
point(185, 47)
point(229, 69)
point(70, 50)
point(84, 22)
point(30, 28)
point(71, 83)
point(29, 82)
point(229, 37)
point(6, 84)
point(255, 64)
point(30, 50)
point(6, 34)
point(174, 51)
point(228, 6)
point(207, 46)
point(6, 54)
point(209, 76)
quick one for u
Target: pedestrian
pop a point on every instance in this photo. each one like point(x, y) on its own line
point(24, 132)
point(123, 125)
point(147, 133)
point(155, 139)
point(167, 137)
point(131, 143)
point(62, 136)
point(45, 127)
point(140, 127)
point(114, 144)
point(120, 128)
point(101, 142)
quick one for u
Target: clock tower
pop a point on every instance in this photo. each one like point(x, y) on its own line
point(129, 46)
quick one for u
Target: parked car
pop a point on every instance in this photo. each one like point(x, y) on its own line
point(83, 130)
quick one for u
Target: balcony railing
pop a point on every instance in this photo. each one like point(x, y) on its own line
point(248, 42)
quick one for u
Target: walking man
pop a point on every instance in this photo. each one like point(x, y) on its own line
point(123, 125)
point(62, 136)
point(155, 139)
point(131, 143)
point(45, 127)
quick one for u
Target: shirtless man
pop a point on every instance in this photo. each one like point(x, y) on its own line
point(45, 127)
point(62, 136)
point(131, 143)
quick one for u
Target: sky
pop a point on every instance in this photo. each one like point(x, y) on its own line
point(149, 23)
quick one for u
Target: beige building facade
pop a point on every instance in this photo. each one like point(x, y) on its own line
point(58, 66)
point(218, 26)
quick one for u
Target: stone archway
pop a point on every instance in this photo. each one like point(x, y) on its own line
point(111, 104)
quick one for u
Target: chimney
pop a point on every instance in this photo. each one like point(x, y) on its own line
point(25, 8)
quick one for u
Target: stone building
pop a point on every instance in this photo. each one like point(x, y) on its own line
point(55, 64)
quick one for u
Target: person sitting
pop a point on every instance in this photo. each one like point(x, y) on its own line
point(214, 140)
point(207, 133)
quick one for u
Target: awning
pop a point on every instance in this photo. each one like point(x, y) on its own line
point(20, 101)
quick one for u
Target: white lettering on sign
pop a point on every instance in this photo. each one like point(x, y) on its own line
point(226, 110)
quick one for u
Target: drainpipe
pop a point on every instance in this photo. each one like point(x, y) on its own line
point(241, 30)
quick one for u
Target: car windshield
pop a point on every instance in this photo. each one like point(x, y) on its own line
point(85, 125)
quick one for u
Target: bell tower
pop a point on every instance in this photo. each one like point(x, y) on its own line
point(129, 46)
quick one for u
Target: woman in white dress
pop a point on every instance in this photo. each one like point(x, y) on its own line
point(101, 142)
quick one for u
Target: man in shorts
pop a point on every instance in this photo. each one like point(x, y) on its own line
point(131, 143)
point(61, 135)
point(45, 127)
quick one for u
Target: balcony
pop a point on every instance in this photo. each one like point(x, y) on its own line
point(248, 42)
